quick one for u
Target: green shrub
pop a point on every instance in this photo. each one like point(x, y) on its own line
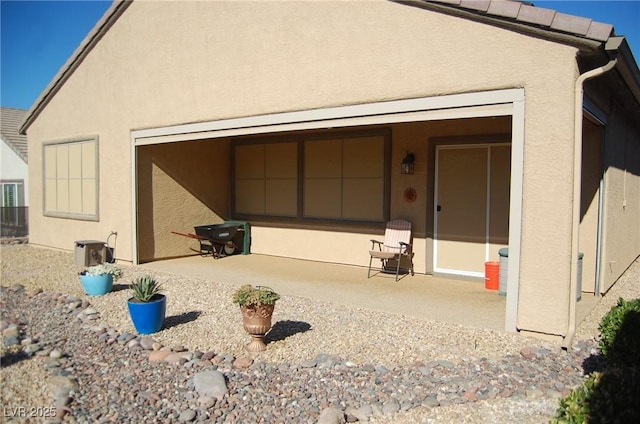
point(607, 397)
point(574, 409)
point(615, 398)
point(610, 396)
point(620, 334)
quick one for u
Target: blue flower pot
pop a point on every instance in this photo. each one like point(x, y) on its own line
point(97, 285)
point(148, 317)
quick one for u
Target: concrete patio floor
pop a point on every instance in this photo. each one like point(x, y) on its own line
point(421, 296)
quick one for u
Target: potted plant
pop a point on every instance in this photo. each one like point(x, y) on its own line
point(256, 304)
point(147, 306)
point(98, 279)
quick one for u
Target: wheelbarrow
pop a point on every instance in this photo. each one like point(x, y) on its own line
point(216, 239)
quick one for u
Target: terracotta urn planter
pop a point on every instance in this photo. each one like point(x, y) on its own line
point(256, 320)
point(256, 304)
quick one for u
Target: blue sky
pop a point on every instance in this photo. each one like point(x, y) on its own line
point(37, 37)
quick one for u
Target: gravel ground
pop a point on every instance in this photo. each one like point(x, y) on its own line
point(320, 356)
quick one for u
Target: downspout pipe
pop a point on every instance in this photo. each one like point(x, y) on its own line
point(577, 188)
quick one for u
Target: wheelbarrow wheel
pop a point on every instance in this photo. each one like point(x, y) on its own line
point(229, 248)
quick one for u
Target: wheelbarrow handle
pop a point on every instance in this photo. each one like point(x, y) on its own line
point(193, 236)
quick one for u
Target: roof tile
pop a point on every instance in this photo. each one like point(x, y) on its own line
point(527, 13)
point(599, 31)
point(481, 5)
point(536, 15)
point(571, 23)
point(506, 9)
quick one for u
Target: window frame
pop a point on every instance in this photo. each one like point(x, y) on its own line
point(300, 139)
point(96, 157)
point(19, 199)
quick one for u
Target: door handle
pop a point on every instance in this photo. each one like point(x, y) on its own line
point(438, 208)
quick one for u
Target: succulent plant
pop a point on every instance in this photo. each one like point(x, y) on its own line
point(145, 289)
point(248, 295)
point(105, 268)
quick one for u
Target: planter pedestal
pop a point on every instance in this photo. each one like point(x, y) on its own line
point(256, 321)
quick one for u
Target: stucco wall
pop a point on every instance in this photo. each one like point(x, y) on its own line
point(621, 168)
point(165, 63)
point(621, 244)
point(180, 186)
point(592, 173)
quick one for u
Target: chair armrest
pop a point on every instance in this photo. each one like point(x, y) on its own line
point(407, 247)
point(376, 242)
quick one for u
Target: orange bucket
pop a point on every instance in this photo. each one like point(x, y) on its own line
point(492, 275)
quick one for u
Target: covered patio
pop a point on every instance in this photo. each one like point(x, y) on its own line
point(421, 296)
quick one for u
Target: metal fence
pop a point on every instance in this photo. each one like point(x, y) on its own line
point(14, 221)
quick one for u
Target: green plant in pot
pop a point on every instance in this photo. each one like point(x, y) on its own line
point(147, 306)
point(98, 279)
point(256, 304)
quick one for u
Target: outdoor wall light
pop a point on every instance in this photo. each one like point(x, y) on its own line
point(407, 163)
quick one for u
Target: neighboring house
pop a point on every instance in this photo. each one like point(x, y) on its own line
point(14, 173)
point(296, 117)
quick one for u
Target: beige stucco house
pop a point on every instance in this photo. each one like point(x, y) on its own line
point(296, 117)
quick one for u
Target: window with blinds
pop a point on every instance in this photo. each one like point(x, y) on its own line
point(71, 179)
point(338, 177)
point(12, 194)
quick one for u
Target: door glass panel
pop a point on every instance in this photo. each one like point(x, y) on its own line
point(462, 217)
point(499, 197)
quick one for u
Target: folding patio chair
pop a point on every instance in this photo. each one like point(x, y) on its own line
point(396, 245)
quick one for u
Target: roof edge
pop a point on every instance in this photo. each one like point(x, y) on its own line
point(14, 148)
point(112, 14)
point(596, 38)
point(627, 65)
point(463, 9)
